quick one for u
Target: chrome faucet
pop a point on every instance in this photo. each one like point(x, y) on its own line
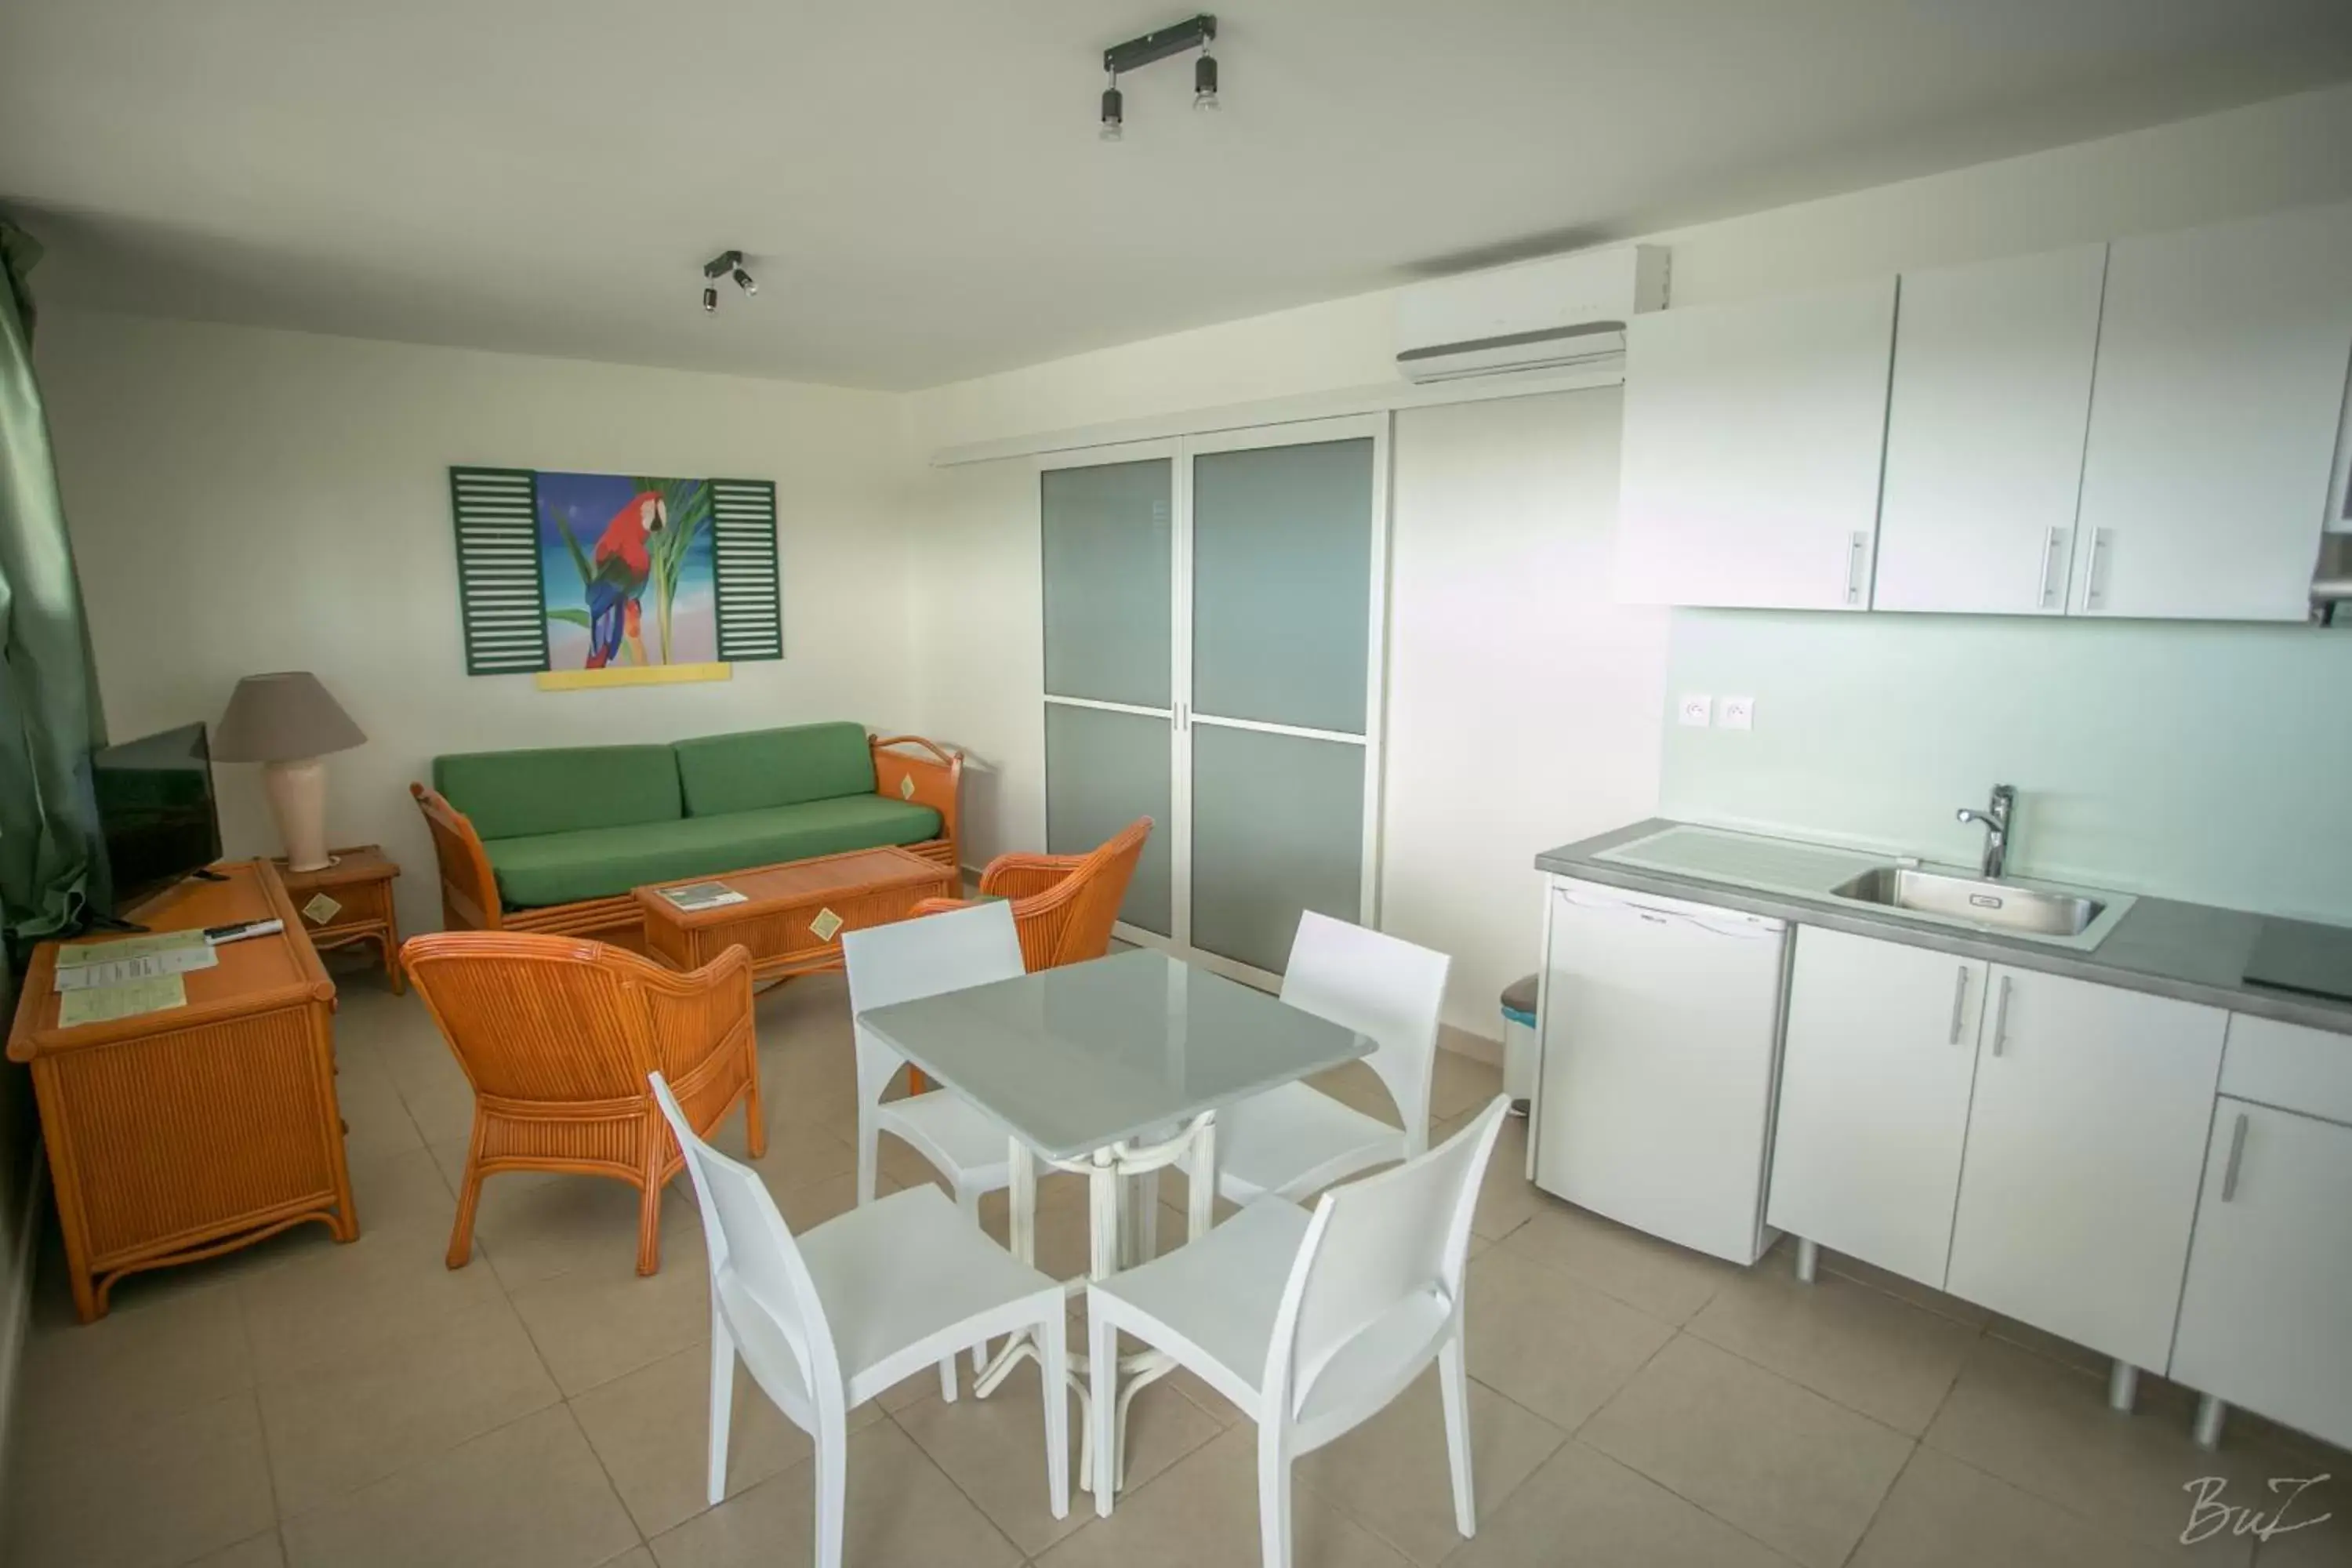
point(1994, 819)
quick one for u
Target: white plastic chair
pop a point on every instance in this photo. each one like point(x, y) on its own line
point(1311, 1324)
point(1294, 1140)
point(904, 962)
point(829, 1318)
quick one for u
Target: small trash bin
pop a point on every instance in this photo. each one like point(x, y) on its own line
point(1520, 1042)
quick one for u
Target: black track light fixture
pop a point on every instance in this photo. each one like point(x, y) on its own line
point(1194, 32)
point(726, 264)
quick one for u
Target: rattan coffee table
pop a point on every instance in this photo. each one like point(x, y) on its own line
point(793, 915)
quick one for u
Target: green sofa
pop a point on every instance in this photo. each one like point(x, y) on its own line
point(555, 840)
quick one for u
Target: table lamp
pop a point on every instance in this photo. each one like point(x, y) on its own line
point(287, 722)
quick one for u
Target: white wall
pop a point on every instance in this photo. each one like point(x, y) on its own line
point(1523, 706)
point(974, 546)
point(2286, 153)
point(244, 500)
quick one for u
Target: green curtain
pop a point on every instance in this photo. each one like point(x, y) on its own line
point(49, 716)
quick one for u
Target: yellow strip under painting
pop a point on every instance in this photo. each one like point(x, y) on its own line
point(632, 675)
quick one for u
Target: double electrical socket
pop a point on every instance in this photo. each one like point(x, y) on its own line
point(1698, 711)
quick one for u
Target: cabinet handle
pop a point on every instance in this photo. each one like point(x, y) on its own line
point(2052, 578)
point(2237, 1152)
point(2001, 1017)
point(2094, 583)
point(1959, 1002)
point(1855, 546)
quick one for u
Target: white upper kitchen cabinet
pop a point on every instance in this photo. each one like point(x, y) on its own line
point(2266, 1320)
point(1753, 437)
point(1985, 425)
point(2220, 390)
point(1880, 1051)
point(2086, 1139)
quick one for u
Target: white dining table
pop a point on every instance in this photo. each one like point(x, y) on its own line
point(1115, 1070)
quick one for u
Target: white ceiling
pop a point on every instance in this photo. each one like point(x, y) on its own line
point(918, 183)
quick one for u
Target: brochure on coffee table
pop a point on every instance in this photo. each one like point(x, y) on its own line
point(703, 896)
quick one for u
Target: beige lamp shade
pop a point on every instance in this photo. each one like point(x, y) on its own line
point(286, 721)
point(283, 717)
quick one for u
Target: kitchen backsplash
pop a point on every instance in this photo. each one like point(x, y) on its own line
point(2210, 762)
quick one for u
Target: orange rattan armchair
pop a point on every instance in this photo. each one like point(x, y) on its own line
point(1063, 905)
point(557, 1035)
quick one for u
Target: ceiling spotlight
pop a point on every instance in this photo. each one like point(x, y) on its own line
point(1192, 33)
point(726, 264)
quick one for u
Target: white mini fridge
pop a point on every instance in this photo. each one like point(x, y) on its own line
point(1661, 1026)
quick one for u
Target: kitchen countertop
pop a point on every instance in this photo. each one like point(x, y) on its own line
point(2195, 952)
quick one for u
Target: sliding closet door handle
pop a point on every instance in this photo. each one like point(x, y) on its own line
point(1959, 1002)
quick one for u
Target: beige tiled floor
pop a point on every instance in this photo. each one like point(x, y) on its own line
point(307, 1403)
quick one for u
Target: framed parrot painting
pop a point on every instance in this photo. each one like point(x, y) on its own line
point(615, 579)
point(625, 567)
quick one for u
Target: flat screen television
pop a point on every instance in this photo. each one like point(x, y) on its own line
point(156, 816)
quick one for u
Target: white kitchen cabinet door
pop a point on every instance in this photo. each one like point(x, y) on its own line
point(2087, 1138)
point(1875, 1067)
point(1753, 438)
point(2266, 1320)
point(1984, 434)
point(2220, 389)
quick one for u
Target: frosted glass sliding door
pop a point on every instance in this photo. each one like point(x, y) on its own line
point(1282, 564)
point(1110, 554)
point(1213, 658)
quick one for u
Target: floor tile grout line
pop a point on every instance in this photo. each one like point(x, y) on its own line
point(1880, 1507)
point(916, 1444)
point(346, 1494)
point(260, 1416)
point(611, 1484)
point(1477, 1499)
point(1577, 1436)
point(1595, 1286)
point(1798, 1383)
point(1585, 1282)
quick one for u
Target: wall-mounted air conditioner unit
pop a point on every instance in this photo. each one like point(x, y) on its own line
point(1552, 314)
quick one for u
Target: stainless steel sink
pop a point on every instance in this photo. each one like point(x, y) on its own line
point(1998, 906)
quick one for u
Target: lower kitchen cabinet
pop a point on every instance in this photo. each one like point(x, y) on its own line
point(1876, 1065)
point(2086, 1145)
point(2266, 1318)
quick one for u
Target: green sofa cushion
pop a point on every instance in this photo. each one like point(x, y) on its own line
point(513, 794)
point(762, 768)
point(598, 862)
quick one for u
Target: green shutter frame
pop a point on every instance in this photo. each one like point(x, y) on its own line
point(500, 596)
point(743, 565)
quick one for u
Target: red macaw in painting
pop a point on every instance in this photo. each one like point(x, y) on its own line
point(623, 568)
